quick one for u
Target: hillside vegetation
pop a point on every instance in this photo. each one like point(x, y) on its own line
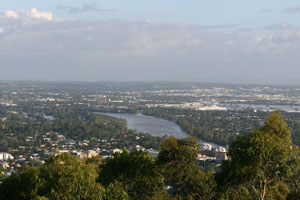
point(262, 165)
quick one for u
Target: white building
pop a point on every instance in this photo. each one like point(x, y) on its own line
point(6, 156)
point(205, 147)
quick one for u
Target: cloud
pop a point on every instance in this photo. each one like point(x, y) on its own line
point(88, 7)
point(266, 10)
point(25, 16)
point(144, 50)
point(281, 26)
point(34, 13)
point(291, 10)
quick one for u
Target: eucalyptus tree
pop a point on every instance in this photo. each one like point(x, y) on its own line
point(178, 161)
point(262, 164)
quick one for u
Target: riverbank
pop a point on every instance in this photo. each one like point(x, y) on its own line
point(153, 125)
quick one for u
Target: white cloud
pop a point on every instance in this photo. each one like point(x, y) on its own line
point(40, 47)
point(34, 13)
point(27, 16)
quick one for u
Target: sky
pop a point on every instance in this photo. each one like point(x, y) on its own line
point(232, 41)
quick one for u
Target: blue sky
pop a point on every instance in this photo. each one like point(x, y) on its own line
point(137, 40)
point(245, 13)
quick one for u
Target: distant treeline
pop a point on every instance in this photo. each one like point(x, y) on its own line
point(221, 127)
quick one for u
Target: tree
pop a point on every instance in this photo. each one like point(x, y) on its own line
point(66, 177)
point(261, 164)
point(115, 191)
point(61, 177)
point(137, 173)
point(177, 158)
point(21, 185)
point(2, 173)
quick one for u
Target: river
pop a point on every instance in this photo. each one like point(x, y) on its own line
point(152, 125)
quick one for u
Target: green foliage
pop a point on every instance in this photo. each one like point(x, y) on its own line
point(177, 159)
point(262, 163)
point(21, 185)
point(96, 160)
point(62, 177)
point(2, 173)
point(66, 177)
point(137, 173)
point(115, 191)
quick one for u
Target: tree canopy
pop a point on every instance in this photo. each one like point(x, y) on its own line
point(62, 177)
point(177, 159)
point(137, 173)
point(262, 163)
